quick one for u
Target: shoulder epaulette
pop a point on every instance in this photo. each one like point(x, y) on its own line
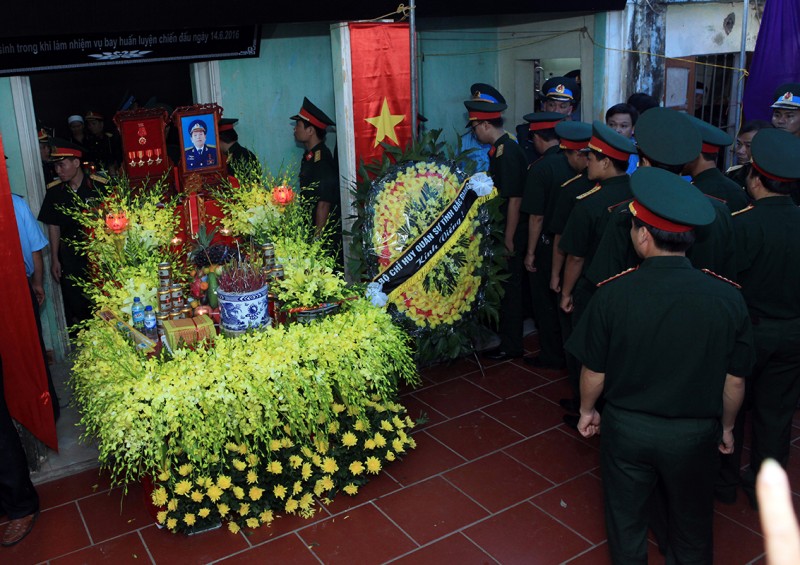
point(611, 208)
point(618, 275)
point(499, 152)
point(53, 183)
point(317, 155)
point(743, 210)
point(589, 192)
point(99, 178)
point(576, 177)
point(734, 168)
point(109, 134)
point(720, 277)
point(717, 198)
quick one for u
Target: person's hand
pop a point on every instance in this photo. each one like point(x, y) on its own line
point(589, 423)
point(529, 258)
point(55, 270)
point(510, 245)
point(38, 291)
point(726, 446)
point(555, 283)
point(567, 304)
point(778, 520)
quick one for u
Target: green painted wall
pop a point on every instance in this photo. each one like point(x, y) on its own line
point(8, 129)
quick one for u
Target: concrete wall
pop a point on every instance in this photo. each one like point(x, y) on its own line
point(699, 28)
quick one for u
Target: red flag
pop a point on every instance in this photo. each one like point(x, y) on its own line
point(381, 77)
point(24, 377)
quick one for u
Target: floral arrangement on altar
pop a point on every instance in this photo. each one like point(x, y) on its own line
point(398, 203)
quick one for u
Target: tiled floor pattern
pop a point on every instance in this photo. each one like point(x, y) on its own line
point(496, 478)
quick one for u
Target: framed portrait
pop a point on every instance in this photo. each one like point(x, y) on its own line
point(198, 129)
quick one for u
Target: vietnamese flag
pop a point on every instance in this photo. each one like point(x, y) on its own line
point(25, 381)
point(381, 84)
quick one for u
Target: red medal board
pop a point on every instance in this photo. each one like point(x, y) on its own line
point(144, 147)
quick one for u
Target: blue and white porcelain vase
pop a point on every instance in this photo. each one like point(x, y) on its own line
point(240, 311)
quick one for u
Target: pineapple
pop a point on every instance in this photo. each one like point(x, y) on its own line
point(207, 253)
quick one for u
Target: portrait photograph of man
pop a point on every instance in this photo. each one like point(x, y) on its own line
point(200, 149)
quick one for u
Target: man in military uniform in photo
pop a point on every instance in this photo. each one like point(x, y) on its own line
point(559, 95)
point(738, 172)
point(239, 159)
point(669, 346)
point(104, 147)
point(667, 140)
point(319, 173)
point(768, 264)
point(507, 168)
point(608, 154)
point(704, 172)
point(199, 155)
point(480, 151)
point(74, 192)
point(542, 183)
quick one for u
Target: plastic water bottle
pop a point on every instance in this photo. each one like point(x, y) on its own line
point(150, 328)
point(137, 313)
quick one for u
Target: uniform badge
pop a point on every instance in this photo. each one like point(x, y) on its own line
point(309, 155)
point(499, 151)
point(317, 156)
point(560, 89)
point(788, 96)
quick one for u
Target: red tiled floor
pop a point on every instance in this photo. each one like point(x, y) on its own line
point(109, 514)
point(734, 543)
point(474, 434)
point(454, 549)
point(446, 371)
point(430, 510)
point(527, 413)
point(377, 486)
point(548, 374)
point(123, 550)
point(525, 534)
point(167, 547)
point(506, 380)
point(497, 481)
point(429, 458)
point(72, 488)
point(419, 410)
point(555, 391)
point(287, 549)
point(579, 505)
point(555, 455)
point(56, 532)
point(282, 525)
point(455, 397)
point(599, 556)
point(362, 535)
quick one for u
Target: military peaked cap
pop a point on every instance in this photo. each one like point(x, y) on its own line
point(665, 201)
point(668, 137)
point(313, 115)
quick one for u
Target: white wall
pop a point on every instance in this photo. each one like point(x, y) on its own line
point(697, 29)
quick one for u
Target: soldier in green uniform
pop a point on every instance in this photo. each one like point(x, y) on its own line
point(786, 109)
point(666, 140)
point(74, 191)
point(544, 179)
point(608, 153)
point(103, 147)
point(704, 172)
point(738, 172)
point(319, 173)
point(668, 345)
point(768, 261)
point(507, 168)
point(241, 162)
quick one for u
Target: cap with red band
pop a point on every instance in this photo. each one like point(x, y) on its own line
point(713, 138)
point(227, 124)
point(573, 135)
point(313, 115)
point(775, 154)
point(63, 149)
point(651, 219)
point(480, 110)
point(665, 201)
point(538, 121)
point(610, 143)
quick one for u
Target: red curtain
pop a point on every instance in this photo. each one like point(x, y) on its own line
point(381, 66)
point(24, 375)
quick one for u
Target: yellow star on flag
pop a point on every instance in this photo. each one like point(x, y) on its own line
point(385, 122)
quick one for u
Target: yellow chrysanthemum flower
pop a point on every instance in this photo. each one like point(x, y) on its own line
point(333, 428)
point(397, 445)
point(291, 506)
point(183, 487)
point(329, 465)
point(223, 509)
point(279, 491)
point(398, 423)
point(256, 493)
point(306, 500)
point(204, 512)
point(306, 472)
point(244, 509)
point(274, 445)
point(159, 496)
point(197, 496)
point(233, 527)
point(369, 444)
point(266, 517)
point(252, 477)
point(373, 465)
point(242, 449)
point(185, 469)
point(360, 426)
point(163, 476)
point(172, 506)
point(351, 489)
point(190, 519)
point(275, 467)
point(390, 456)
point(305, 450)
point(224, 482)
point(412, 443)
point(356, 467)
point(295, 461)
point(252, 523)
point(252, 459)
point(338, 408)
point(172, 523)
point(386, 426)
point(297, 487)
point(230, 446)
point(162, 516)
point(349, 439)
point(238, 492)
point(239, 464)
point(286, 443)
point(379, 440)
point(214, 493)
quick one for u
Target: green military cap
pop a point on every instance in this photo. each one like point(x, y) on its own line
point(665, 201)
point(480, 110)
point(226, 124)
point(787, 96)
point(775, 154)
point(713, 138)
point(573, 135)
point(560, 88)
point(486, 92)
point(543, 120)
point(610, 143)
point(313, 115)
point(63, 149)
point(668, 137)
